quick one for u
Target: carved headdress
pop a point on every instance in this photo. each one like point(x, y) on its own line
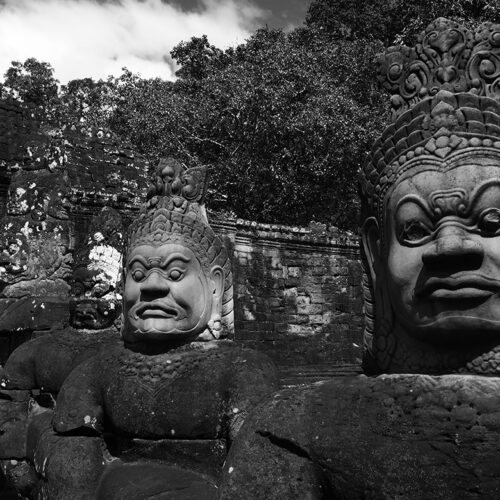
point(445, 98)
point(445, 102)
point(175, 213)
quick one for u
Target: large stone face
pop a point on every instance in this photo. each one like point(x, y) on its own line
point(431, 199)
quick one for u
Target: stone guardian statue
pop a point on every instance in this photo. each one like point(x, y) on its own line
point(157, 412)
point(428, 425)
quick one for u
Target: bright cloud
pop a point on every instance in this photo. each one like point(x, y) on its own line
point(85, 38)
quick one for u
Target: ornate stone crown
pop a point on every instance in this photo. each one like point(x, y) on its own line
point(175, 213)
point(447, 56)
point(445, 98)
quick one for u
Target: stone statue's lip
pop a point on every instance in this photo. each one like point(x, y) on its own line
point(156, 310)
point(460, 293)
point(459, 287)
point(157, 313)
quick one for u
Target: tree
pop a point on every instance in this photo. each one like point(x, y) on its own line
point(283, 121)
point(87, 101)
point(277, 120)
point(33, 83)
point(395, 21)
point(195, 57)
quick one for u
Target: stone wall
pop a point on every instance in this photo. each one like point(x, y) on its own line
point(56, 245)
point(297, 296)
point(14, 126)
point(66, 198)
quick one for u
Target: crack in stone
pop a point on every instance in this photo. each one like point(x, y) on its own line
point(286, 444)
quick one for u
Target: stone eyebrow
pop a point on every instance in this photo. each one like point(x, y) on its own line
point(174, 256)
point(480, 190)
point(138, 258)
point(156, 260)
point(417, 200)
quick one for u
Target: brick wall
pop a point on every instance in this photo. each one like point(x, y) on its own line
point(11, 129)
point(297, 296)
point(297, 290)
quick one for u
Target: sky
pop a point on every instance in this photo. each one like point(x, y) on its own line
point(97, 38)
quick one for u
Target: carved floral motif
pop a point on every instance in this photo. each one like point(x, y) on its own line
point(447, 57)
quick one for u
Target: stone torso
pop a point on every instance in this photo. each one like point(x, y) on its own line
point(178, 395)
point(193, 392)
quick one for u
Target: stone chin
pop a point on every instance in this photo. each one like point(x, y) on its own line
point(159, 335)
point(158, 330)
point(454, 327)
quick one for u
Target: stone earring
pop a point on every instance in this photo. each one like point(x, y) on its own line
point(215, 326)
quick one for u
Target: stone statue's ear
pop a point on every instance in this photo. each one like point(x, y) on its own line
point(370, 236)
point(217, 277)
point(217, 290)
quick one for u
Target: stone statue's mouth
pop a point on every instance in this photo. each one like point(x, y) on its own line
point(159, 309)
point(464, 286)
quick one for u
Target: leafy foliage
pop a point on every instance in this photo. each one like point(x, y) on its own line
point(276, 119)
point(284, 120)
point(32, 82)
point(395, 21)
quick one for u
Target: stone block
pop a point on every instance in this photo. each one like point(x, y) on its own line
point(300, 329)
point(13, 424)
point(290, 292)
point(33, 314)
point(294, 272)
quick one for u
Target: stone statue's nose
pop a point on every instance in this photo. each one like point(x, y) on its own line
point(155, 283)
point(453, 247)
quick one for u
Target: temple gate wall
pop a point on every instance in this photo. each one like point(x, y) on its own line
point(297, 296)
point(297, 291)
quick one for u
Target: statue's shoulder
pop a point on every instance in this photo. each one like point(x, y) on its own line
point(46, 361)
point(236, 356)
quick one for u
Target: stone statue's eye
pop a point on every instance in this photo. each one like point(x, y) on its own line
point(489, 221)
point(414, 231)
point(138, 274)
point(175, 274)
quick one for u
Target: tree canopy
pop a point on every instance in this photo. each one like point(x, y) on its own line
point(284, 121)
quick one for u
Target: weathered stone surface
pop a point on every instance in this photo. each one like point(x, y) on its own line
point(18, 479)
point(33, 313)
point(199, 391)
point(171, 377)
point(67, 466)
point(394, 436)
point(154, 481)
point(14, 407)
point(54, 183)
point(204, 456)
point(31, 251)
point(60, 179)
point(46, 361)
point(298, 295)
point(97, 267)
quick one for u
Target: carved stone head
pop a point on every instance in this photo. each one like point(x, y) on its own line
point(431, 208)
point(178, 283)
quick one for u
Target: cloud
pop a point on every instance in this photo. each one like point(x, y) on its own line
point(88, 38)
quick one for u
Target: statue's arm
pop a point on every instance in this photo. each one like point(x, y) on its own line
point(69, 466)
point(19, 370)
point(268, 458)
point(79, 405)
